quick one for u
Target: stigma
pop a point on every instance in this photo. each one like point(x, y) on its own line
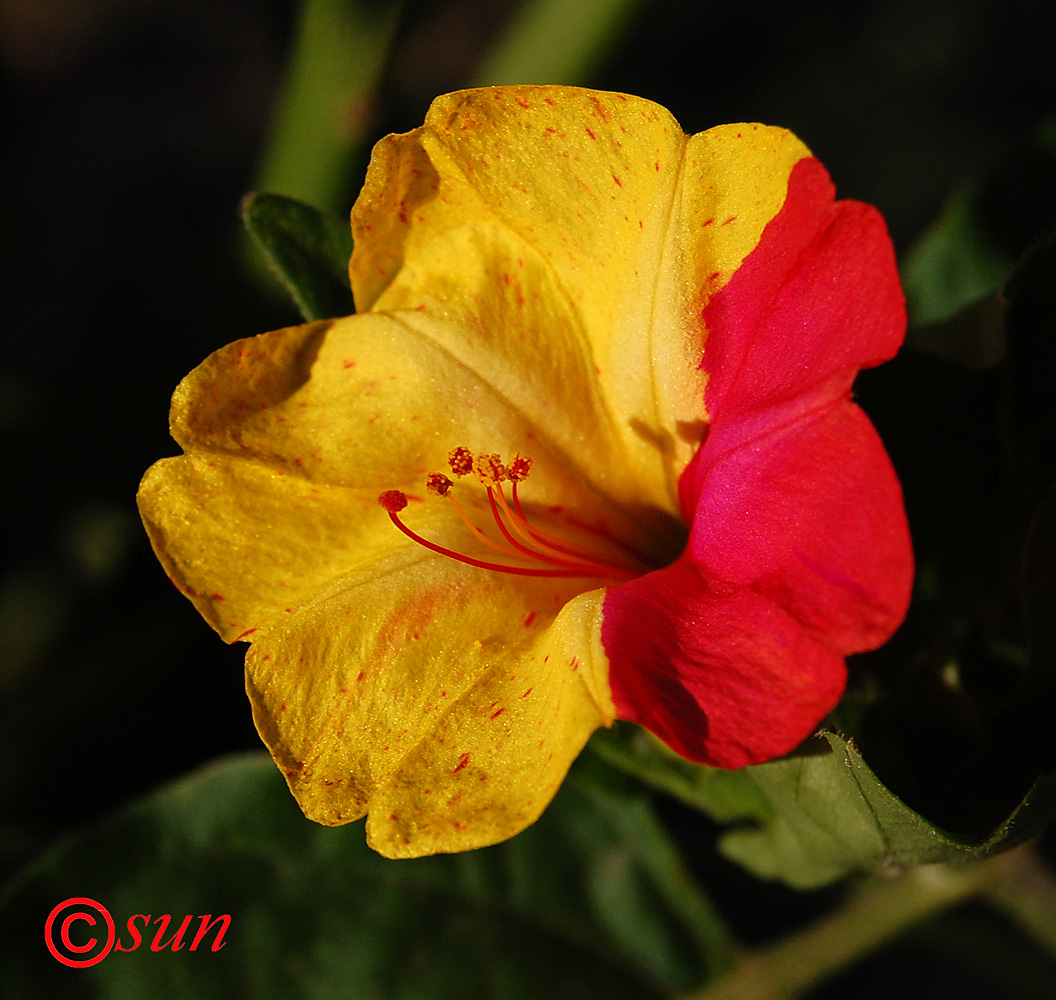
point(525, 549)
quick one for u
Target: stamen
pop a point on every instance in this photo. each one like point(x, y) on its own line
point(532, 544)
point(583, 560)
point(540, 537)
point(477, 533)
point(388, 501)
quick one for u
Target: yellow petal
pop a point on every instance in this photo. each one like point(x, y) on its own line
point(446, 701)
point(270, 523)
point(633, 223)
point(290, 437)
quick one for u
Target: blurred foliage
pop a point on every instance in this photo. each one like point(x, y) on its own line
point(590, 902)
point(553, 41)
point(325, 112)
point(954, 713)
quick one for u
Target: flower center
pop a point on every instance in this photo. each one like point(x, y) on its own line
point(533, 552)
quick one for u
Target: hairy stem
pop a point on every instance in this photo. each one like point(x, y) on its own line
point(875, 914)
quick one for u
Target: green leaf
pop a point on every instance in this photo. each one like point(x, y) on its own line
point(306, 250)
point(1031, 437)
point(967, 255)
point(817, 816)
point(589, 902)
point(954, 264)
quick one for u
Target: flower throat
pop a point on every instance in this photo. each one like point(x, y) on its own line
point(544, 554)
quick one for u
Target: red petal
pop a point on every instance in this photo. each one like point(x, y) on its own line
point(818, 296)
point(723, 679)
point(799, 551)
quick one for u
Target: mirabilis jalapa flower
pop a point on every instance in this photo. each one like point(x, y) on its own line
point(626, 356)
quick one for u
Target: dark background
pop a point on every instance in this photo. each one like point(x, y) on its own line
point(130, 130)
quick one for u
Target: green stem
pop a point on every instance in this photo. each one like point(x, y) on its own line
point(876, 914)
point(1025, 892)
point(324, 112)
point(554, 41)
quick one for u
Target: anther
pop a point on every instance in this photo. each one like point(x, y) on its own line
point(461, 461)
point(489, 470)
point(519, 467)
point(438, 483)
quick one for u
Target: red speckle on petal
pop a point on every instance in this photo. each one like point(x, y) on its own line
point(589, 132)
point(218, 597)
point(496, 714)
point(463, 760)
point(574, 662)
point(619, 183)
point(526, 693)
point(530, 620)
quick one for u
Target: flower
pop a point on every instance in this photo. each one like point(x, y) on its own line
point(633, 351)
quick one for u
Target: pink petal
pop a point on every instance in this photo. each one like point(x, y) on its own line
point(811, 514)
